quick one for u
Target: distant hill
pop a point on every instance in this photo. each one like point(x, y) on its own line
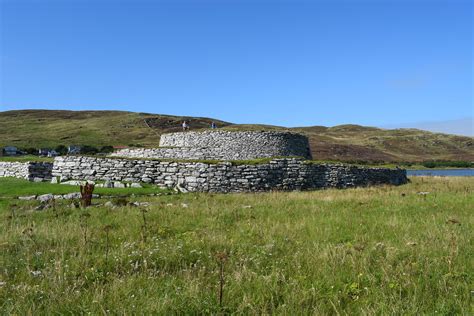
point(49, 128)
point(463, 126)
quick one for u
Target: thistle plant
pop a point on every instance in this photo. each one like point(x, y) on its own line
point(84, 226)
point(221, 260)
point(144, 226)
point(107, 229)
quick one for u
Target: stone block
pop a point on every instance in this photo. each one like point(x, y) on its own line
point(45, 197)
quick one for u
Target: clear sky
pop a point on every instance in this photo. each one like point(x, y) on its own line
point(290, 63)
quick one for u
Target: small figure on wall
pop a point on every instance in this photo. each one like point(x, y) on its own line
point(185, 126)
point(213, 125)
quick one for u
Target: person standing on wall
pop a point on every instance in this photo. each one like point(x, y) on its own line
point(213, 125)
point(185, 126)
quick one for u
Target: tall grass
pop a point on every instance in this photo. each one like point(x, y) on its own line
point(379, 250)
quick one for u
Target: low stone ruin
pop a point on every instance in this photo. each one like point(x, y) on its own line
point(32, 171)
point(212, 161)
point(276, 174)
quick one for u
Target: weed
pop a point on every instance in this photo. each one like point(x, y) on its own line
point(107, 229)
point(453, 244)
point(221, 260)
point(11, 216)
point(84, 217)
point(144, 227)
point(121, 201)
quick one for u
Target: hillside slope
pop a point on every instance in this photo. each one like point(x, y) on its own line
point(49, 128)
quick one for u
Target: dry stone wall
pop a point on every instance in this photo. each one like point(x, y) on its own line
point(181, 153)
point(33, 171)
point(14, 169)
point(224, 145)
point(277, 174)
point(230, 175)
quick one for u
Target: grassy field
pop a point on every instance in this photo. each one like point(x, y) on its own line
point(12, 187)
point(379, 250)
point(50, 128)
point(25, 158)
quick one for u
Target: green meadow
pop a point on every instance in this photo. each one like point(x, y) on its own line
point(378, 250)
point(11, 188)
point(25, 158)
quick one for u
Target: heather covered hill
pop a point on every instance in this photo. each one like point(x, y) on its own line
point(49, 128)
point(369, 143)
point(43, 128)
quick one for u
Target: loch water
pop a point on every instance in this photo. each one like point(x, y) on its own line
point(468, 172)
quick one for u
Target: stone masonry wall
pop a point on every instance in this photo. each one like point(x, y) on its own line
point(33, 171)
point(182, 153)
point(14, 169)
point(224, 145)
point(278, 174)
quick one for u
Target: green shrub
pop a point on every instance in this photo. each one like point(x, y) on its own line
point(444, 164)
point(106, 149)
point(89, 150)
point(61, 149)
point(30, 150)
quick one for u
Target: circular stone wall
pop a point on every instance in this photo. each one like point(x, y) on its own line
point(242, 144)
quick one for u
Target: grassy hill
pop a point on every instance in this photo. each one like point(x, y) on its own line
point(49, 128)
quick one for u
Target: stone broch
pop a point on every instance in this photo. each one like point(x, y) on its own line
point(224, 145)
point(182, 161)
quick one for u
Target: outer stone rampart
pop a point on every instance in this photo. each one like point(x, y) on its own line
point(33, 171)
point(277, 174)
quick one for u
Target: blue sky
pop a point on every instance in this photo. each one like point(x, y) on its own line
point(290, 63)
